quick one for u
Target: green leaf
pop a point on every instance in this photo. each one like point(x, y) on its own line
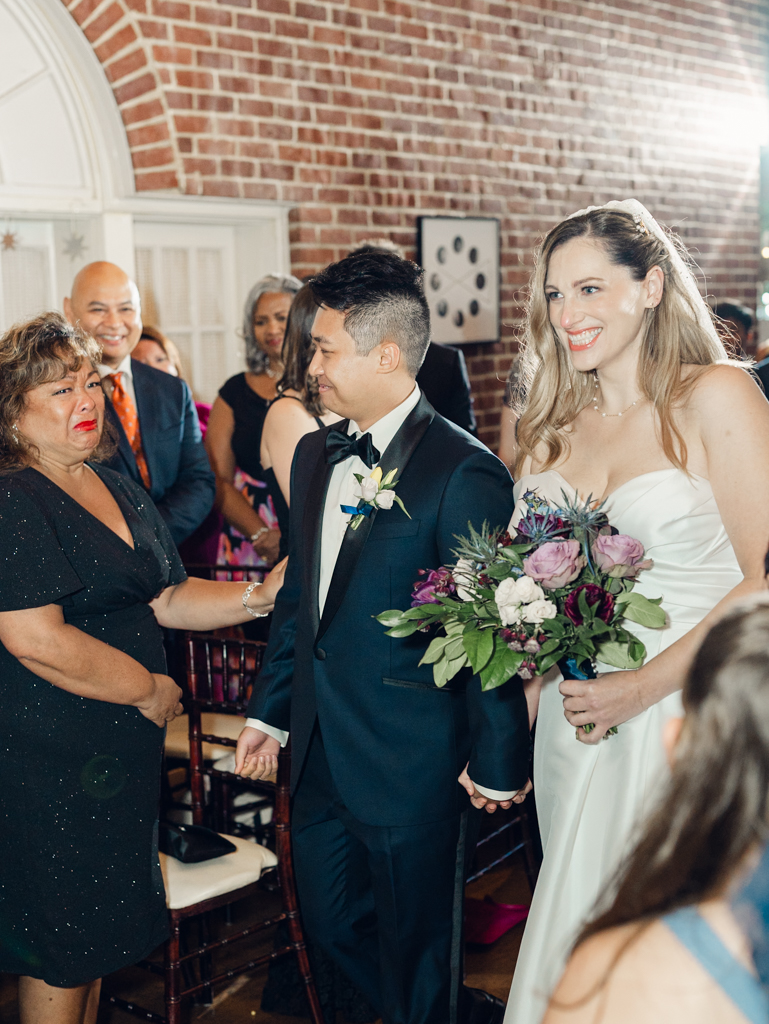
point(479, 645)
point(388, 479)
point(404, 629)
point(446, 669)
point(400, 504)
point(358, 476)
point(391, 617)
point(617, 654)
point(644, 611)
point(435, 650)
point(455, 649)
point(548, 646)
point(554, 628)
point(547, 662)
point(502, 667)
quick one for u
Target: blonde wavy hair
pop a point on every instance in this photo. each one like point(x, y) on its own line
point(551, 393)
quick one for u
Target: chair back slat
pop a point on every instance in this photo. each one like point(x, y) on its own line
point(221, 672)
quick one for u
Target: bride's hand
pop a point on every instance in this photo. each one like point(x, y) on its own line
point(610, 699)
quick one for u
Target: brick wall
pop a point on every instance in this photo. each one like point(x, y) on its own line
point(365, 113)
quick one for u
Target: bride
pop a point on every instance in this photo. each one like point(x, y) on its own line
point(629, 398)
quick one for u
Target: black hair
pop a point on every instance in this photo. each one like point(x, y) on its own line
point(382, 296)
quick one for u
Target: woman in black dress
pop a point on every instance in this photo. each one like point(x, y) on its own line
point(296, 411)
point(89, 575)
point(235, 425)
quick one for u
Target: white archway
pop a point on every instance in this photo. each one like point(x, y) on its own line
point(62, 141)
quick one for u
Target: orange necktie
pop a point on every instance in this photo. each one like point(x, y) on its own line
point(129, 418)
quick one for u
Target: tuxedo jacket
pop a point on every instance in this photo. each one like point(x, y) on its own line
point(444, 382)
point(395, 743)
point(183, 484)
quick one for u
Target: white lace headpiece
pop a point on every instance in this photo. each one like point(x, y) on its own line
point(644, 220)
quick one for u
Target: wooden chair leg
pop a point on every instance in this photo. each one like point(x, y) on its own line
point(173, 975)
point(288, 892)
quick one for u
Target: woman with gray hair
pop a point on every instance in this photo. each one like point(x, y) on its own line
point(234, 433)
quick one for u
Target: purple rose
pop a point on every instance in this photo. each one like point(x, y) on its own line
point(437, 583)
point(594, 596)
point(619, 555)
point(555, 563)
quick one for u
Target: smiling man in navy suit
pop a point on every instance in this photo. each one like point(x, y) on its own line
point(159, 440)
point(381, 824)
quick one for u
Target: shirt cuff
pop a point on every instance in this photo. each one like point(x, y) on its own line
point(277, 734)
point(493, 794)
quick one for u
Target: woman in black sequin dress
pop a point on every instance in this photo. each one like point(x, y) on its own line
point(88, 575)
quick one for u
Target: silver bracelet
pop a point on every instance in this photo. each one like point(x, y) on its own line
point(246, 594)
point(255, 536)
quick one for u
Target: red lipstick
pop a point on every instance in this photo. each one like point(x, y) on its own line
point(86, 425)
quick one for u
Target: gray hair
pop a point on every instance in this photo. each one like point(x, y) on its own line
point(399, 318)
point(257, 360)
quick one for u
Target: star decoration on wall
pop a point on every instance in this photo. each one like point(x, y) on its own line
point(75, 246)
point(10, 240)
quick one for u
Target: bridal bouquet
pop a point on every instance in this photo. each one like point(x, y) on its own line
point(558, 592)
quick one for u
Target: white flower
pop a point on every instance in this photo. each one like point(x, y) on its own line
point(464, 571)
point(510, 614)
point(385, 499)
point(367, 488)
point(508, 601)
point(538, 611)
point(526, 590)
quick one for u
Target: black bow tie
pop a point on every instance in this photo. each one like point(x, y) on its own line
point(341, 446)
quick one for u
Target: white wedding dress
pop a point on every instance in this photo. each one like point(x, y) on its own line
point(591, 799)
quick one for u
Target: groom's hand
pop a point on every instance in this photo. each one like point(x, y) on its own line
point(256, 756)
point(480, 801)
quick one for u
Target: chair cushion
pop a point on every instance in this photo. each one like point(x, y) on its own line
point(187, 884)
point(178, 739)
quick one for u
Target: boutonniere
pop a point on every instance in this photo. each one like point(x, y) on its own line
point(374, 492)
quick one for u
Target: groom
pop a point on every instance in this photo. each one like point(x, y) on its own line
point(380, 823)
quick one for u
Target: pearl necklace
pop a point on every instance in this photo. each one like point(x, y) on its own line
point(610, 415)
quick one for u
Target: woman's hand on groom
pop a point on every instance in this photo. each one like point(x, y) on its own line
point(480, 801)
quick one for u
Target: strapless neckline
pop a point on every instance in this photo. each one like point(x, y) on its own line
point(627, 483)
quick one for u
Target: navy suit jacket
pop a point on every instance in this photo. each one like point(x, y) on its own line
point(183, 484)
point(395, 743)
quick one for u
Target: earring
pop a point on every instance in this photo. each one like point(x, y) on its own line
point(15, 430)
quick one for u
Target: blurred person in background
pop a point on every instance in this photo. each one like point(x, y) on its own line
point(296, 411)
point(234, 435)
point(155, 349)
point(443, 377)
point(670, 949)
point(509, 417)
point(740, 325)
point(159, 441)
point(159, 351)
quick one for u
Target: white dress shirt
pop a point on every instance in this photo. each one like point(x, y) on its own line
point(341, 491)
point(127, 380)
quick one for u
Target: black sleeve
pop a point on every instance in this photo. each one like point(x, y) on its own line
point(481, 489)
point(231, 389)
point(190, 498)
point(271, 697)
point(461, 397)
point(35, 570)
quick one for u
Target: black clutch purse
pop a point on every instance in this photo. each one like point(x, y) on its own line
point(192, 844)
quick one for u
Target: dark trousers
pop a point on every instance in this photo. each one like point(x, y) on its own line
point(384, 902)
